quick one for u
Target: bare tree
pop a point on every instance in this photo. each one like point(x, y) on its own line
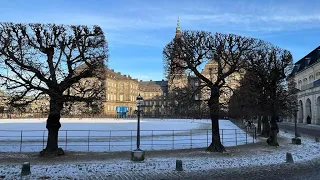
point(67, 63)
point(194, 48)
point(271, 66)
point(245, 99)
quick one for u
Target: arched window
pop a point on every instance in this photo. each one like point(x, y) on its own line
point(318, 75)
point(311, 78)
point(305, 81)
point(300, 84)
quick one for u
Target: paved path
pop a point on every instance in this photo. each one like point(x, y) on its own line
point(306, 171)
point(308, 129)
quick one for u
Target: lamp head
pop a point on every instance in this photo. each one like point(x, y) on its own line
point(139, 100)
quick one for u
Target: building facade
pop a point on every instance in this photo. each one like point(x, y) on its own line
point(306, 74)
point(232, 82)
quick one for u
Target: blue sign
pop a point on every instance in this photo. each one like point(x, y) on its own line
point(122, 111)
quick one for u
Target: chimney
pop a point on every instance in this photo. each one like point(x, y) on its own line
point(162, 79)
point(150, 80)
point(112, 70)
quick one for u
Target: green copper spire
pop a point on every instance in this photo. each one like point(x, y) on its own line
point(178, 26)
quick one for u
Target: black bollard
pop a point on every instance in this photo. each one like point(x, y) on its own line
point(289, 158)
point(179, 165)
point(25, 169)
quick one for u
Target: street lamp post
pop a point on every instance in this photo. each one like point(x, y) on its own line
point(138, 154)
point(295, 124)
point(296, 139)
point(138, 112)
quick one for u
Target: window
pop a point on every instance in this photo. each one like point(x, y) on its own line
point(299, 84)
point(121, 97)
point(308, 60)
point(305, 81)
point(318, 75)
point(311, 78)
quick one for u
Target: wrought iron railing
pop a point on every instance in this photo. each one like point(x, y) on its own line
point(121, 140)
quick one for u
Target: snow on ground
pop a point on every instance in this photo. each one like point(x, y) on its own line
point(198, 161)
point(104, 134)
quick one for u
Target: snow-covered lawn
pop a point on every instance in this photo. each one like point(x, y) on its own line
point(197, 160)
point(101, 134)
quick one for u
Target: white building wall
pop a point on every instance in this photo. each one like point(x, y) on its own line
point(309, 91)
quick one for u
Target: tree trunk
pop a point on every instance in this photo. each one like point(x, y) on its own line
point(265, 127)
point(53, 126)
point(272, 140)
point(259, 124)
point(213, 104)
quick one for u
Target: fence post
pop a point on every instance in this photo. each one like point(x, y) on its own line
point(207, 137)
point(88, 140)
point(131, 141)
point(21, 141)
point(191, 138)
point(43, 139)
point(110, 139)
point(66, 139)
point(172, 139)
point(235, 131)
point(151, 140)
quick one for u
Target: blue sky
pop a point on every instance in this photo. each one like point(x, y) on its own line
point(137, 30)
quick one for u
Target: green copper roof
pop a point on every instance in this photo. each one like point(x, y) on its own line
point(178, 25)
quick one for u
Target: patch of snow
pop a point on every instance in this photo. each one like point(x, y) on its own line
point(307, 151)
point(107, 134)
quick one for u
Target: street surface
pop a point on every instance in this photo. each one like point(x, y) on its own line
point(307, 129)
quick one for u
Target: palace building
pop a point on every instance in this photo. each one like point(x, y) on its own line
point(306, 74)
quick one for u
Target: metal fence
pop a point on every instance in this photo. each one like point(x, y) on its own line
point(121, 140)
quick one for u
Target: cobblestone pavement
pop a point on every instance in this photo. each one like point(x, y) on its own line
point(306, 171)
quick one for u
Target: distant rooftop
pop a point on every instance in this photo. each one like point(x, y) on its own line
point(307, 61)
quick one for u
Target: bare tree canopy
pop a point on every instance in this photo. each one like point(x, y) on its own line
point(193, 49)
point(64, 62)
point(271, 66)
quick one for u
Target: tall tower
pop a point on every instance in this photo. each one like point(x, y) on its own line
point(178, 30)
point(177, 76)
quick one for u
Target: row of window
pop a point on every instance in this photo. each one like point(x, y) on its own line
point(305, 80)
point(121, 85)
point(151, 103)
point(113, 97)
